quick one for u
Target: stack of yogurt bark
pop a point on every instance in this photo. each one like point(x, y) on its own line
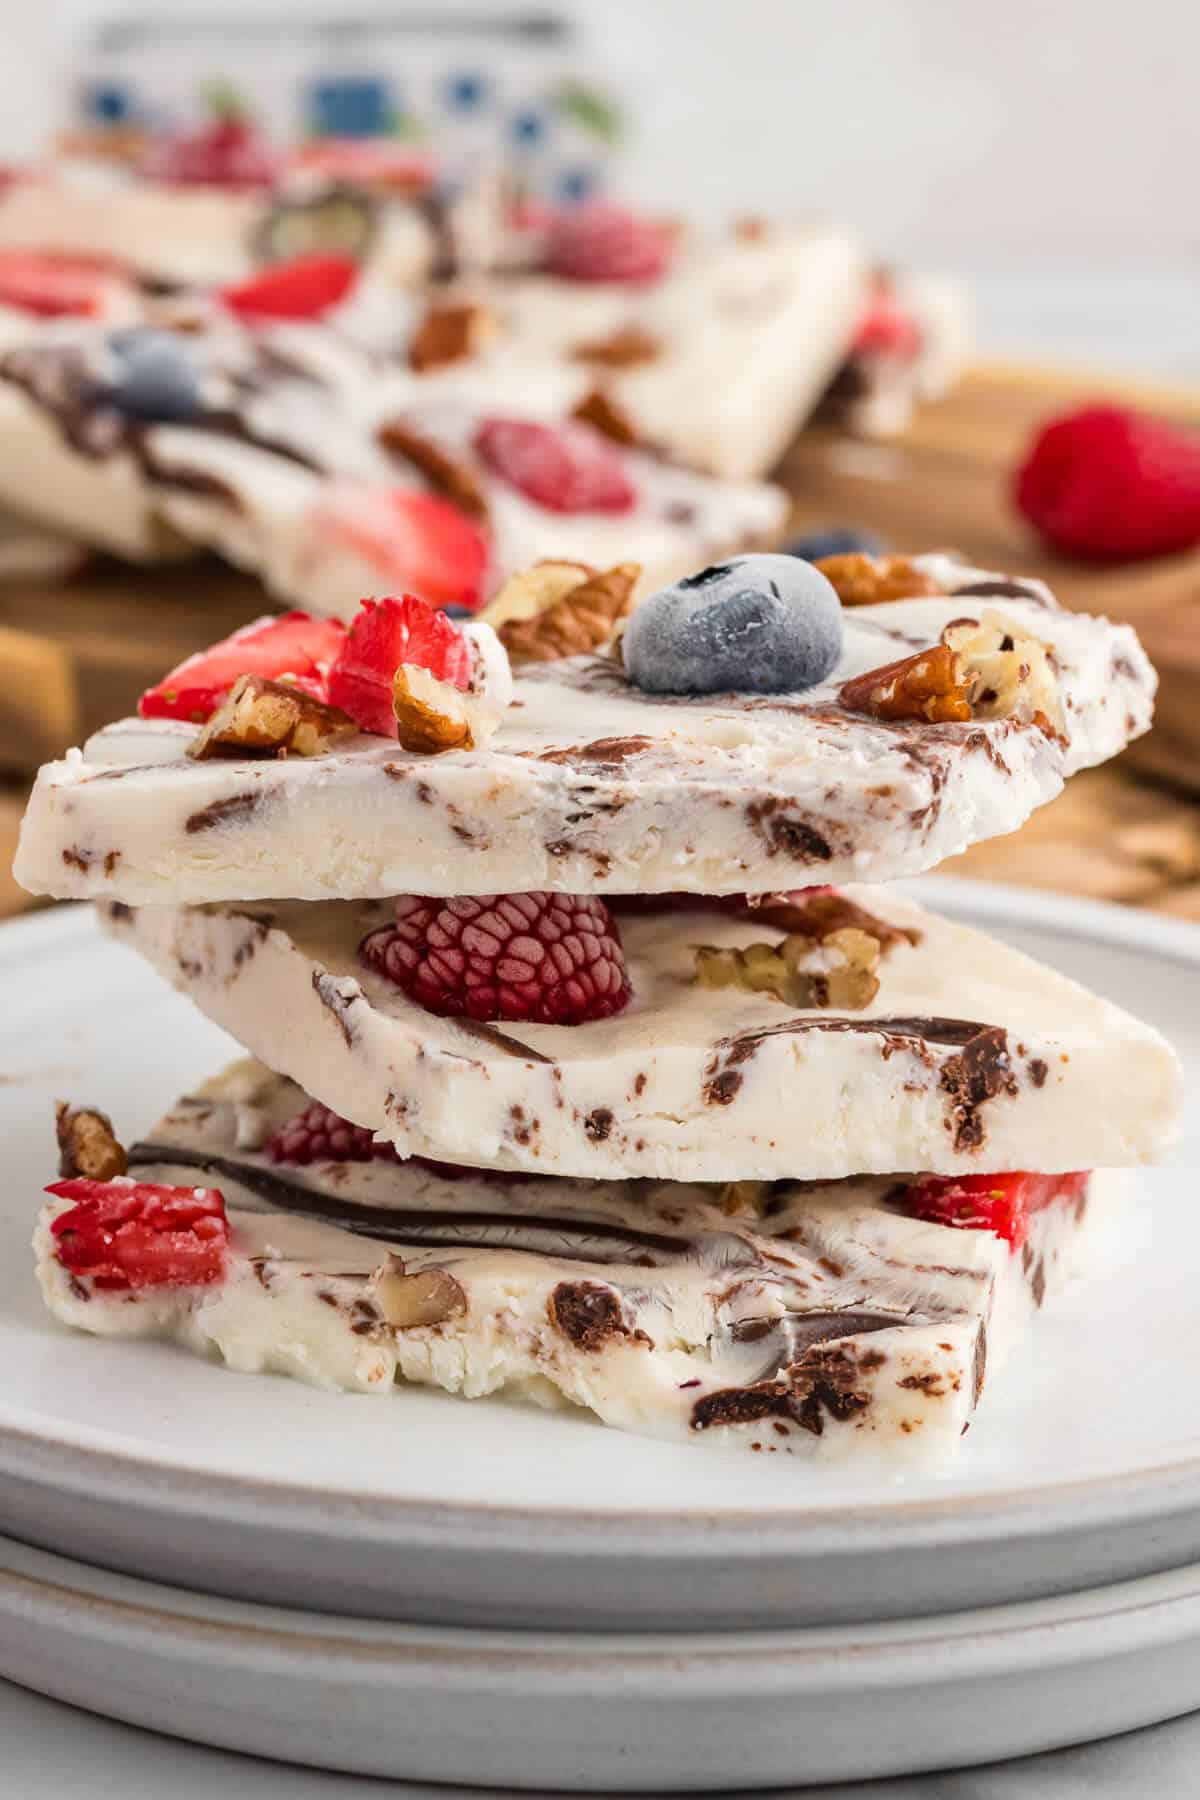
point(593, 1059)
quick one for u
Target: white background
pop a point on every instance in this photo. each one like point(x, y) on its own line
point(1051, 150)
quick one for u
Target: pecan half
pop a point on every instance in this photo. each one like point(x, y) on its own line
point(604, 415)
point(444, 473)
point(624, 348)
point(932, 685)
point(581, 616)
point(431, 715)
point(87, 1144)
point(866, 580)
point(426, 1297)
point(817, 916)
point(448, 333)
point(271, 718)
point(839, 971)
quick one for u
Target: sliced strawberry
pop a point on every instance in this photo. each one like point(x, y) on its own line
point(566, 468)
point(999, 1203)
point(294, 647)
point(54, 287)
point(304, 288)
point(887, 328)
point(137, 1234)
point(415, 541)
point(385, 634)
point(227, 153)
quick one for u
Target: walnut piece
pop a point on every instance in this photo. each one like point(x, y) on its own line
point(426, 1297)
point(626, 348)
point(603, 414)
point(87, 1144)
point(448, 333)
point(1012, 673)
point(931, 685)
point(866, 580)
point(819, 915)
point(457, 481)
point(580, 617)
point(271, 718)
point(529, 593)
point(839, 971)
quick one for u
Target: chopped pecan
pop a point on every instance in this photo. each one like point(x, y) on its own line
point(839, 971)
point(581, 617)
point(444, 473)
point(932, 684)
point(624, 348)
point(865, 580)
point(431, 715)
point(448, 333)
point(271, 718)
point(1012, 673)
point(603, 414)
point(534, 589)
point(819, 915)
point(87, 1144)
point(751, 228)
point(426, 1297)
point(744, 1197)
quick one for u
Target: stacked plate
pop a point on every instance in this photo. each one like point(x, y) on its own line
point(505, 1597)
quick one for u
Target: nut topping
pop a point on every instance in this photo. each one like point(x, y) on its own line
point(840, 971)
point(866, 580)
point(574, 612)
point(625, 348)
point(430, 714)
point(87, 1144)
point(259, 717)
point(605, 416)
point(457, 481)
point(1012, 672)
point(448, 333)
point(932, 685)
point(407, 1302)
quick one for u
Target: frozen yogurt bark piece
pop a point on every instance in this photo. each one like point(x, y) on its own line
point(912, 344)
point(823, 1322)
point(968, 1056)
point(593, 786)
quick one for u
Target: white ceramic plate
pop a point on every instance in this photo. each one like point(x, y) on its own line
point(1083, 1465)
point(730, 1711)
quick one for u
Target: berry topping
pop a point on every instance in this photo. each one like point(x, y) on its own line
point(602, 242)
point(1111, 484)
point(319, 1135)
point(154, 376)
point(304, 288)
point(886, 328)
point(756, 625)
point(834, 540)
point(293, 648)
point(52, 286)
point(415, 541)
point(999, 1203)
point(566, 468)
point(227, 153)
point(551, 959)
point(135, 1234)
point(384, 635)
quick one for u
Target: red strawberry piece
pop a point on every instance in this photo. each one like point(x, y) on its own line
point(137, 1234)
point(999, 1203)
point(384, 634)
point(1111, 484)
point(54, 286)
point(566, 468)
point(551, 959)
point(228, 153)
point(603, 242)
point(415, 541)
point(319, 1135)
point(294, 648)
point(886, 328)
point(304, 288)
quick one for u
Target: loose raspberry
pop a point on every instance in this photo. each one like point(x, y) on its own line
point(415, 541)
point(228, 153)
point(294, 648)
point(566, 468)
point(384, 634)
point(1111, 484)
point(552, 959)
point(304, 288)
point(602, 242)
point(319, 1135)
point(54, 287)
point(999, 1203)
point(887, 328)
point(136, 1234)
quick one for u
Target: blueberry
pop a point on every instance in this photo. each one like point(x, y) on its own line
point(755, 625)
point(835, 540)
point(153, 377)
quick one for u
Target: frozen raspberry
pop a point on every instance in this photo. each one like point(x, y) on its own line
point(294, 647)
point(136, 1234)
point(602, 242)
point(999, 1203)
point(553, 959)
point(228, 153)
point(384, 634)
point(1111, 484)
point(319, 1135)
point(304, 288)
point(566, 468)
